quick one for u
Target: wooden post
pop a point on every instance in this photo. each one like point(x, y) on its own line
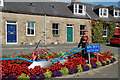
point(97, 57)
point(89, 57)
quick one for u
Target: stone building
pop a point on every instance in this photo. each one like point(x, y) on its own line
point(25, 23)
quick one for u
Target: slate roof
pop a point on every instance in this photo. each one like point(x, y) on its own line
point(59, 9)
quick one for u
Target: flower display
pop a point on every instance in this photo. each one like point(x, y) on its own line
point(107, 63)
point(41, 77)
point(34, 77)
point(86, 68)
point(16, 69)
point(103, 63)
point(71, 71)
point(94, 65)
point(57, 73)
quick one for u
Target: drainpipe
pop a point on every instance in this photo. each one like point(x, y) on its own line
point(45, 29)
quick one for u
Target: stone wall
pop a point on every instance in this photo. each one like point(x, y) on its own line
point(40, 28)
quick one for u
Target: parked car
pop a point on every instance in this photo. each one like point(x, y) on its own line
point(115, 39)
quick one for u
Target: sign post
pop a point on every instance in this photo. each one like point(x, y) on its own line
point(92, 48)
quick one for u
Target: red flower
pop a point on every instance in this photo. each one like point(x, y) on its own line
point(53, 52)
point(14, 53)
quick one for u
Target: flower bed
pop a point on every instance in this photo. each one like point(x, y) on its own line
point(17, 69)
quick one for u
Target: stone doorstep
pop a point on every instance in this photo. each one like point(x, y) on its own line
point(87, 72)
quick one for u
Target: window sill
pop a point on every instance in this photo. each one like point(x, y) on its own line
point(56, 35)
point(30, 35)
point(104, 36)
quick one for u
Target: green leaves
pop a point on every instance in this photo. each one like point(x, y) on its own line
point(64, 71)
point(99, 64)
point(80, 68)
point(23, 76)
point(48, 74)
point(108, 60)
point(97, 31)
point(89, 65)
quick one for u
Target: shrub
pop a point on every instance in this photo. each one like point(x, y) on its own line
point(89, 65)
point(115, 58)
point(64, 71)
point(48, 74)
point(94, 65)
point(112, 60)
point(98, 63)
point(80, 68)
point(103, 63)
point(86, 68)
point(108, 60)
point(57, 73)
point(71, 71)
point(26, 77)
point(41, 77)
point(34, 77)
point(76, 70)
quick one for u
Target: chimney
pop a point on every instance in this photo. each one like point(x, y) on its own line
point(75, 0)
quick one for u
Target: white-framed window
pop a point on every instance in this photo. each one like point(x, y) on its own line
point(82, 28)
point(116, 13)
point(79, 9)
point(30, 28)
point(104, 30)
point(55, 29)
point(1, 3)
point(103, 12)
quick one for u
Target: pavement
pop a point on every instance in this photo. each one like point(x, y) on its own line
point(108, 72)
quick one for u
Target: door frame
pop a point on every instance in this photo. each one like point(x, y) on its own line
point(73, 33)
point(16, 30)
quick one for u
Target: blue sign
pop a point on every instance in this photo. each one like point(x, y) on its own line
point(92, 48)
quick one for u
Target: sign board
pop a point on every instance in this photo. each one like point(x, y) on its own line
point(92, 48)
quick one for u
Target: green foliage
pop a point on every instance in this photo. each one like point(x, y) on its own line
point(23, 76)
point(48, 74)
point(108, 60)
point(99, 63)
point(115, 58)
point(80, 68)
point(64, 71)
point(104, 62)
point(97, 31)
point(89, 65)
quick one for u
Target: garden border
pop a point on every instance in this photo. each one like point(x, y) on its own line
point(84, 72)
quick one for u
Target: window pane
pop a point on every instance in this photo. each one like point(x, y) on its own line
point(32, 32)
point(115, 13)
point(28, 24)
point(104, 33)
point(30, 28)
point(80, 11)
point(28, 31)
point(80, 6)
point(54, 32)
point(104, 14)
point(54, 26)
point(81, 32)
point(105, 10)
